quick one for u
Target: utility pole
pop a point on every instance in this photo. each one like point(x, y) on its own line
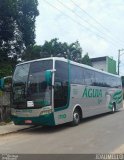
point(118, 61)
point(119, 55)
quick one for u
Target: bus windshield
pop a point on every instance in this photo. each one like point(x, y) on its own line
point(20, 78)
point(29, 83)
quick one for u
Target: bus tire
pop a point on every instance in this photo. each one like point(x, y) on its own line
point(76, 117)
point(114, 107)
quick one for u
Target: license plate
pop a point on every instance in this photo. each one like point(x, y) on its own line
point(28, 121)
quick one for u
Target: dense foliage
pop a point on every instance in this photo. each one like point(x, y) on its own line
point(17, 28)
point(55, 48)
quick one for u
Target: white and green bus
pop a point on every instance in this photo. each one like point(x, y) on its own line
point(55, 90)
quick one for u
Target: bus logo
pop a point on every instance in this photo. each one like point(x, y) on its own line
point(92, 93)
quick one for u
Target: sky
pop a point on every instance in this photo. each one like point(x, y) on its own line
point(98, 25)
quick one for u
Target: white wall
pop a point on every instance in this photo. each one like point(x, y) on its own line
point(100, 65)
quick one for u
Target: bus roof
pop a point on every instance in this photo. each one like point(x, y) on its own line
point(72, 62)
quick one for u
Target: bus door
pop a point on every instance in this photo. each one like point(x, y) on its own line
point(61, 92)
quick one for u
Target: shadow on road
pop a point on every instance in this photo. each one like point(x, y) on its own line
point(53, 129)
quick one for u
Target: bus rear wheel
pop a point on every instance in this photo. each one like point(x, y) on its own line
point(76, 117)
point(113, 108)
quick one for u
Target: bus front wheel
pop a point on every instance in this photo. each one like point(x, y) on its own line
point(76, 117)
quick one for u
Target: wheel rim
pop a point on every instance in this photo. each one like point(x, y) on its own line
point(76, 118)
point(113, 109)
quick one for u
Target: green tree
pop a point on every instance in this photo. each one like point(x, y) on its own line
point(27, 12)
point(17, 28)
point(59, 49)
point(32, 52)
point(54, 48)
point(74, 51)
point(86, 60)
point(7, 27)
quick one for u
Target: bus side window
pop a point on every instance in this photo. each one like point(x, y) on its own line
point(77, 75)
point(99, 79)
point(92, 75)
point(87, 77)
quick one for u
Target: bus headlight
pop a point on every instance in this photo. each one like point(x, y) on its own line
point(44, 112)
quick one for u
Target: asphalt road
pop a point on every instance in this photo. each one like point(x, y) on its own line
point(99, 134)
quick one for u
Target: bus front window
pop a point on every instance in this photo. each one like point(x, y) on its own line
point(38, 90)
point(29, 84)
point(19, 83)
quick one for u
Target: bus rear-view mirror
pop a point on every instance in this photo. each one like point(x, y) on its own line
point(1, 84)
point(48, 77)
point(5, 84)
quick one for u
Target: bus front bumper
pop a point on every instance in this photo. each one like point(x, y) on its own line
point(47, 119)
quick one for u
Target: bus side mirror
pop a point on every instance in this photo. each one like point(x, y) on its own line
point(48, 77)
point(2, 84)
point(5, 84)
